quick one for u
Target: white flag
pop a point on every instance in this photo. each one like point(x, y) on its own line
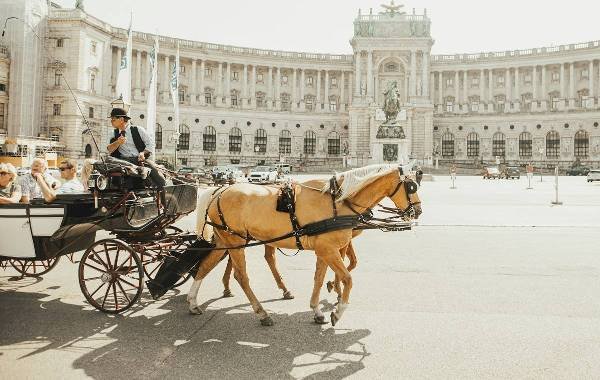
point(174, 85)
point(123, 88)
point(151, 112)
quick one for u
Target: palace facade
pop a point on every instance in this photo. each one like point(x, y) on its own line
point(248, 105)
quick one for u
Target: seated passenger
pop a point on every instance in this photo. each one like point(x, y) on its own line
point(10, 190)
point(29, 183)
point(70, 185)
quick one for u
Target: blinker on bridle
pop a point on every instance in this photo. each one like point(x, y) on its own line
point(409, 188)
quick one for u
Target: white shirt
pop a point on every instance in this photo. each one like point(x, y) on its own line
point(30, 187)
point(71, 186)
point(128, 149)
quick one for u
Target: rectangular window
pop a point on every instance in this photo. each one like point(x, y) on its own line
point(235, 143)
point(182, 69)
point(555, 77)
point(207, 72)
point(235, 76)
point(333, 105)
point(207, 98)
point(527, 79)
point(2, 87)
point(309, 81)
point(310, 145)
point(333, 82)
point(584, 74)
point(56, 108)
point(525, 148)
point(260, 78)
point(555, 103)
point(449, 107)
point(472, 148)
point(181, 96)
point(500, 81)
point(475, 106)
point(308, 103)
point(333, 147)
point(57, 76)
point(91, 112)
point(234, 100)
point(475, 82)
point(285, 145)
point(260, 99)
point(449, 82)
point(92, 83)
point(500, 106)
point(209, 142)
point(1, 116)
point(284, 80)
point(60, 42)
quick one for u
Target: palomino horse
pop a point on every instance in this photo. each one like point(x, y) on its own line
point(244, 212)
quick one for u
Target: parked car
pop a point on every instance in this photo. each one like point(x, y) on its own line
point(222, 175)
point(263, 174)
point(512, 172)
point(578, 170)
point(593, 175)
point(491, 172)
point(284, 168)
point(236, 172)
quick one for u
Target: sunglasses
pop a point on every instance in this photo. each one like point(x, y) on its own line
point(62, 169)
point(4, 173)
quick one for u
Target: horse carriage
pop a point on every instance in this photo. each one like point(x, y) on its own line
point(111, 271)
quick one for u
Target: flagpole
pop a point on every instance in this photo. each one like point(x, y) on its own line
point(123, 88)
point(152, 89)
point(175, 97)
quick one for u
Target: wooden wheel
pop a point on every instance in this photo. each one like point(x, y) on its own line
point(111, 276)
point(34, 268)
point(153, 258)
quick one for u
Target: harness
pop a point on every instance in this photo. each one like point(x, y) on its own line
point(137, 140)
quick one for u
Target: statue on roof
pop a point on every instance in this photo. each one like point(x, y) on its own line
point(392, 9)
point(79, 4)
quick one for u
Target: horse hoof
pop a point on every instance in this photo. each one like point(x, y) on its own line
point(320, 320)
point(195, 310)
point(329, 286)
point(227, 293)
point(267, 321)
point(334, 319)
point(288, 295)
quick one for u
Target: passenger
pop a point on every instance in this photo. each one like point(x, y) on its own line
point(10, 190)
point(29, 184)
point(68, 174)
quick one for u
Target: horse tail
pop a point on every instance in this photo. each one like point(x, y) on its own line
point(203, 202)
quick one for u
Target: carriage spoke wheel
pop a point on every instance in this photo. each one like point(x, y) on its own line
point(111, 276)
point(34, 268)
point(153, 258)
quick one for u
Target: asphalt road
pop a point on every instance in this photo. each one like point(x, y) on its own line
point(493, 283)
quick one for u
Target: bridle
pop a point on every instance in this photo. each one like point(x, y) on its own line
point(410, 187)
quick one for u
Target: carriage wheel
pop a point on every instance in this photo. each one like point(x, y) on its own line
point(111, 276)
point(152, 260)
point(34, 268)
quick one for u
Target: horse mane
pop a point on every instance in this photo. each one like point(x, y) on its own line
point(356, 179)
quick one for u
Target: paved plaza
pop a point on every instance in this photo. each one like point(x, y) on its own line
point(494, 282)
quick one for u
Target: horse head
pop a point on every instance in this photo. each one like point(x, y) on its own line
point(405, 197)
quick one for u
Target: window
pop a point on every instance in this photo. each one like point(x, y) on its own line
point(91, 112)
point(184, 137)
point(583, 99)
point(57, 76)
point(93, 47)
point(260, 78)
point(525, 145)
point(309, 81)
point(284, 80)
point(333, 103)
point(208, 95)
point(260, 141)
point(235, 140)
point(526, 100)
point(552, 144)
point(181, 96)
point(447, 144)
point(2, 87)
point(528, 79)
point(56, 109)
point(554, 99)
point(334, 82)
point(450, 104)
point(158, 136)
point(555, 77)
point(449, 82)
point(207, 72)
point(1, 116)
point(234, 98)
point(582, 144)
point(472, 145)
point(181, 69)
point(498, 145)
point(500, 81)
point(308, 102)
point(285, 102)
point(209, 139)
point(235, 76)
point(93, 82)
point(474, 100)
point(499, 103)
point(285, 142)
point(475, 82)
point(310, 142)
point(333, 144)
point(260, 99)
point(584, 74)
point(60, 42)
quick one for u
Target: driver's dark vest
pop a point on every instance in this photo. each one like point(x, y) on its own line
point(137, 140)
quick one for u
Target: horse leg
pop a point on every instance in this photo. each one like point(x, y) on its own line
point(272, 261)
point(334, 261)
point(226, 278)
point(206, 266)
point(238, 260)
point(347, 251)
point(320, 271)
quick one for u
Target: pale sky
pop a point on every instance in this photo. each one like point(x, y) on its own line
point(325, 26)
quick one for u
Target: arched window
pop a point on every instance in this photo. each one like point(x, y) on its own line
point(310, 142)
point(447, 144)
point(498, 145)
point(473, 145)
point(260, 141)
point(158, 136)
point(209, 139)
point(552, 144)
point(184, 137)
point(582, 144)
point(235, 140)
point(88, 151)
point(333, 144)
point(285, 142)
point(525, 145)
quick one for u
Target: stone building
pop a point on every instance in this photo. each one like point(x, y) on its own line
point(248, 105)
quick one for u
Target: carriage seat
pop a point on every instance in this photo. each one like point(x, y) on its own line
point(123, 175)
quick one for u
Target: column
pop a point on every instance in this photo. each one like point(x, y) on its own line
point(342, 85)
point(517, 96)
point(490, 103)
point(482, 101)
point(193, 88)
point(413, 73)
point(350, 82)
point(138, 75)
point(431, 80)
point(326, 100)
point(456, 92)
point(534, 82)
point(572, 81)
point(441, 91)
point(591, 81)
point(357, 74)
point(544, 95)
point(219, 88)
point(118, 67)
point(563, 82)
point(277, 96)
point(294, 96)
point(302, 86)
point(228, 84)
point(270, 88)
point(201, 83)
point(244, 100)
point(425, 74)
point(369, 74)
point(465, 91)
point(318, 105)
point(508, 94)
point(252, 97)
point(166, 80)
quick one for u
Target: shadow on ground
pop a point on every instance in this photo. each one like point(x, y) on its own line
point(224, 343)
